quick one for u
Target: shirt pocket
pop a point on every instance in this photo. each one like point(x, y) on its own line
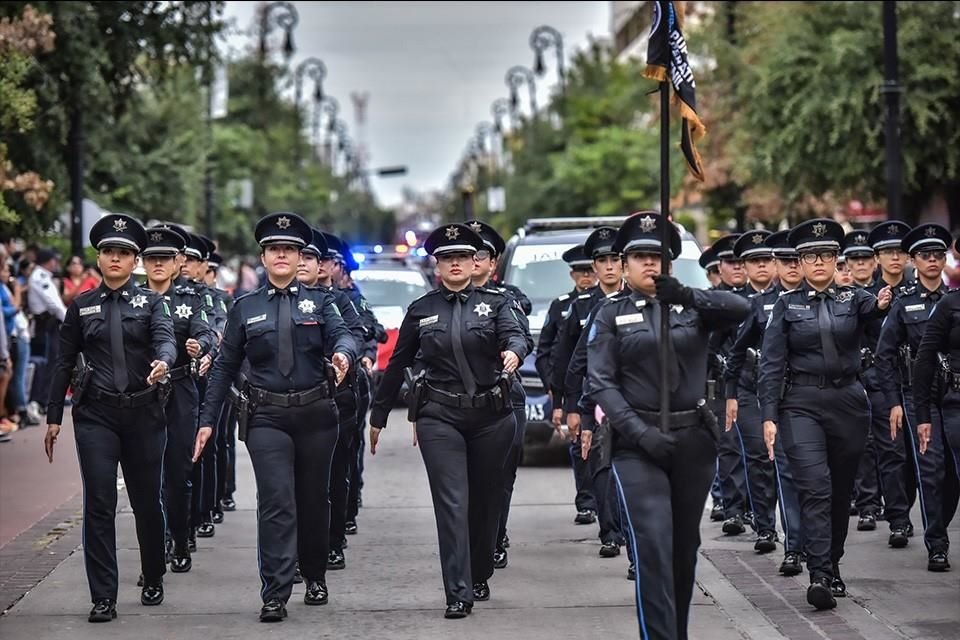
point(136, 328)
point(482, 332)
point(262, 343)
point(434, 341)
point(310, 332)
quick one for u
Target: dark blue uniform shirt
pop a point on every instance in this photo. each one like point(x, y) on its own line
point(942, 335)
point(737, 374)
point(190, 320)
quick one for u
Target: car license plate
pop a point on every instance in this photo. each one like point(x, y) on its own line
point(534, 412)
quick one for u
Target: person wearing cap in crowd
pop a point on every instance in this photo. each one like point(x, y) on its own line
point(862, 263)
point(584, 278)
point(731, 471)
point(607, 265)
point(710, 263)
point(194, 338)
point(767, 482)
point(463, 343)
point(344, 457)
point(213, 266)
point(740, 386)
point(662, 479)
point(484, 266)
point(46, 306)
point(895, 470)
point(125, 334)
point(896, 352)
point(291, 336)
point(843, 277)
point(811, 360)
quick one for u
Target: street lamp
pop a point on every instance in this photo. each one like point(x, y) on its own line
point(541, 39)
point(484, 132)
point(278, 14)
point(317, 71)
point(331, 107)
point(516, 76)
point(499, 108)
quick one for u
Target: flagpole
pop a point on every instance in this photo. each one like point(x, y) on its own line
point(664, 248)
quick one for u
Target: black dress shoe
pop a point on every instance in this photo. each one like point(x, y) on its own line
point(837, 586)
point(297, 576)
point(853, 508)
point(206, 530)
point(585, 516)
point(103, 611)
point(458, 610)
point(500, 559)
point(152, 595)
point(791, 565)
point(750, 519)
point(181, 562)
point(898, 538)
point(505, 543)
point(273, 611)
point(820, 595)
point(609, 550)
point(766, 542)
point(217, 517)
point(632, 572)
point(938, 562)
point(228, 504)
point(336, 560)
point(733, 526)
point(192, 540)
point(316, 593)
point(140, 580)
point(716, 514)
point(481, 591)
point(909, 529)
point(350, 528)
point(868, 522)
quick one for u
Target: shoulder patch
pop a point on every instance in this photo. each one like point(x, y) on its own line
point(166, 308)
point(565, 296)
point(208, 299)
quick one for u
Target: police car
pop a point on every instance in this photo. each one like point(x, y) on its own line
point(532, 261)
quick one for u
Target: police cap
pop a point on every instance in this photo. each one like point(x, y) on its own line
point(752, 244)
point(642, 233)
point(283, 228)
point(453, 238)
point(819, 234)
point(118, 230)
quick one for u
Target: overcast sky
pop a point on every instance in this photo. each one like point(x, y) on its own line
point(432, 70)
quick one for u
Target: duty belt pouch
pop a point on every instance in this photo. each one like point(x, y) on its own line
point(241, 401)
point(603, 437)
point(416, 388)
point(80, 380)
point(711, 390)
point(164, 389)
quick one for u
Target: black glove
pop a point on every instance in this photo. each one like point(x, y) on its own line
point(671, 291)
point(658, 446)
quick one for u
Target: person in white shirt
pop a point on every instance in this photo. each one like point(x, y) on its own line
point(47, 308)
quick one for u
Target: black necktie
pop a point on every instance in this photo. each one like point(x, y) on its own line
point(116, 344)
point(673, 369)
point(469, 382)
point(830, 356)
point(285, 332)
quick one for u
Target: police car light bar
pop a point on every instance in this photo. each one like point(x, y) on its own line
point(543, 224)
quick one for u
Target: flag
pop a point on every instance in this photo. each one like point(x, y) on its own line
point(667, 56)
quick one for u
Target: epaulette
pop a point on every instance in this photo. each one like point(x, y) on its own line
point(565, 296)
point(432, 292)
point(584, 296)
point(249, 293)
point(493, 290)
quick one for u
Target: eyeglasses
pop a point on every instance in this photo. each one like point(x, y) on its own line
point(932, 255)
point(824, 256)
point(481, 255)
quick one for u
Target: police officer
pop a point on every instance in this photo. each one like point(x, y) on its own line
point(289, 334)
point(811, 343)
point(710, 263)
point(309, 274)
point(607, 265)
point(843, 277)
point(584, 278)
point(740, 385)
point(464, 342)
point(662, 478)
point(897, 486)
point(898, 347)
point(125, 335)
point(484, 265)
point(862, 262)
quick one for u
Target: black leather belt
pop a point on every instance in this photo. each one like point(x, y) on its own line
point(124, 400)
point(808, 380)
point(180, 373)
point(485, 400)
point(297, 399)
point(678, 419)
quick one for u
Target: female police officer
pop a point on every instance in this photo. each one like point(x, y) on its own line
point(121, 339)
point(812, 344)
point(459, 338)
point(662, 478)
point(293, 430)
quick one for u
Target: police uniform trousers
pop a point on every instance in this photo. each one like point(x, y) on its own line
point(731, 473)
point(345, 451)
point(518, 398)
point(585, 499)
point(866, 490)
point(356, 468)
point(292, 452)
point(761, 481)
point(791, 520)
point(182, 415)
point(464, 452)
point(608, 502)
point(227, 480)
point(938, 468)
point(135, 439)
point(204, 475)
point(661, 512)
point(891, 463)
point(824, 449)
point(224, 453)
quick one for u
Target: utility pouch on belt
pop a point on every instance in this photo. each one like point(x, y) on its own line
point(164, 389)
point(80, 380)
point(503, 391)
point(905, 365)
point(416, 387)
point(242, 404)
point(603, 437)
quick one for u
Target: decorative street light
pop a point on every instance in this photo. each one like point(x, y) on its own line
point(278, 14)
point(541, 39)
point(499, 108)
point(331, 107)
point(317, 71)
point(516, 76)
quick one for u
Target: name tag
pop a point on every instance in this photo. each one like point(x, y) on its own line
point(768, 307)
point(630, 318)
point(799, 307)
point(909, 307)
point(429, 320)
point(583, 322)
point(87, 311)
point(256, 319)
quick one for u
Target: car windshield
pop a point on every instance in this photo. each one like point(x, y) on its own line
point(390, 289)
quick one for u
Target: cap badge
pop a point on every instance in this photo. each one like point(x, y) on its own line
point(476, 226)
point(819, 229)
point(893, 229)
point(453, 233)
point(483, 309)
point(603, 234)
point(283, 222)
point(156, 237)
point(758, 238)
point(647, 224)
point(930, 232)
point(306, 306)
point(860, 239)
point(119, 225)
